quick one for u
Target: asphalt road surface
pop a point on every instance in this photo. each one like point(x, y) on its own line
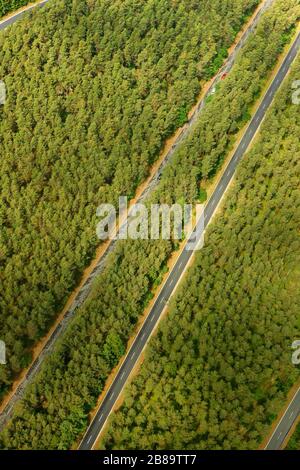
point(17, 16)
point(145, 332)
point(85, 289)
point(285, 424)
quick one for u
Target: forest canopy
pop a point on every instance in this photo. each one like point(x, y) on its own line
point(54, 412)
point(7, 6)
point(220, 367)
point(94, 88)
point(294, 442)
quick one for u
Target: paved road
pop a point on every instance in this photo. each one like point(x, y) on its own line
point(145, 332)
point(86, 288)
point(19, 15)
point(284, 426)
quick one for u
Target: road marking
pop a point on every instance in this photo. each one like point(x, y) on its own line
point(282, 418)
point(279, 436)
point(122, 375)
point(132, 355)
point(264, 106)
point(152, 319)
point(144, 334)
point(285, 67)
point(257, 119)
point(112, 395)
point(100, 417)
point(291, 415)
point(89, 439)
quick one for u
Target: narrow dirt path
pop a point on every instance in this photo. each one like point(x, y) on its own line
point(104, 249)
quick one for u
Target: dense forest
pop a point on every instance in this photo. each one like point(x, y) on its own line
point(219, 369)
point(94, 88)
point(7, 6)
point(294, 442)
point(55, 410)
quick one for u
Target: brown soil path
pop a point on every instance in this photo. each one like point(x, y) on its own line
point(101, 250)
point(173, 259)
point(16, 12)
